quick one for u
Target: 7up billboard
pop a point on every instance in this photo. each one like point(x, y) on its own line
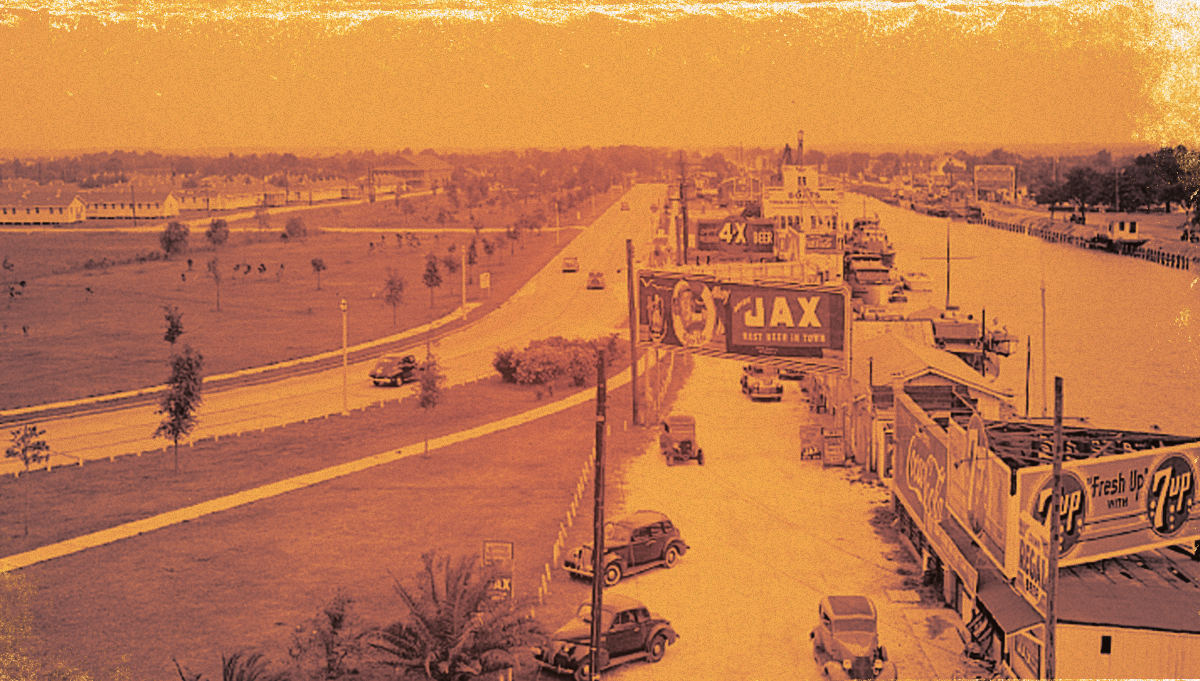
point(776, 320)
point(1119, 504)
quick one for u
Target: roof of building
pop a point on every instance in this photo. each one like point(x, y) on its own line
point(47, 195)
point(1158, 590)
point(889, 357)
point(137, 194)
point(1020, 443)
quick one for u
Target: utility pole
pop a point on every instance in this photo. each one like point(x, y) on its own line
point(631, 282)
point(1028, 362)
point(557, 226)
point(1043, 348)
point(683, 208)
point(464, 288)
point(132, 203)
point(1055, 530)
point(345, 364)
point(598, 565)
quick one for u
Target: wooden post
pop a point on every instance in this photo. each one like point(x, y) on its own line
point(631, 286)
point(598, 523)
point(1055, 531)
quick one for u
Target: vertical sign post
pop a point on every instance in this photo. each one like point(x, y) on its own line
point(1055, 531)
point(631, 282)
point(498, 556)
point(598, 524)
point(345, 364)
point(464, 271)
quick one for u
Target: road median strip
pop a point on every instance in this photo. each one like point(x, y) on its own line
point(195, 511)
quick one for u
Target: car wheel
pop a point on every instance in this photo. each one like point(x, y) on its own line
point(612, 574)
point(700, 457)
point(583, 672)
point(657, 648)
point(670, 459)
point(671, 556)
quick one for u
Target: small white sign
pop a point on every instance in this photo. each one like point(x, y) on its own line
point(485, 280)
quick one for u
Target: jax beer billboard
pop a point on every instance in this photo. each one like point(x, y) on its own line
point(735, 234)
point(1119, 504)
point(706, 315)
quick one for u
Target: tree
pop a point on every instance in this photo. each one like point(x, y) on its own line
point(239, 666)
point(182, 398)
point(472, 258)
point(393, 291)
point(430, 380)
point(488, 249)
point(217, 232)
point(451, 264)
point(432, 278)
point(214, 271)
point(1084, 187)
point(318, 265)
point(329, 644)
point(512, 234)
point(1189, 179)
point(453, 627)
point(28, 446)
point(295, 228)
point(174, 324)
point(174, 238)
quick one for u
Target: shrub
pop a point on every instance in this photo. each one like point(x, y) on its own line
point(174, 238)
point(218, 232)
point(506, 364)
point(295, 228)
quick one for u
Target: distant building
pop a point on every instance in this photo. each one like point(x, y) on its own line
point(418, 173)
point(127, 203)
point(45, 205)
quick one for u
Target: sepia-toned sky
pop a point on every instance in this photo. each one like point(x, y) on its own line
point(309, 75)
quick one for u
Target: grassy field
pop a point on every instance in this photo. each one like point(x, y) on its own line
point(79, 330)
point(247, 577)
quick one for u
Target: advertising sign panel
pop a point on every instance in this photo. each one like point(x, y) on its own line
point(735, 234)
point(1026, 658)
point(1033, 564)
point(920, 474)
point(995, 178)
point(710, 316)
point(498, 555)
point(1121, 504)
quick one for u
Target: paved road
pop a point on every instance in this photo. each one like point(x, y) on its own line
point(552, 303)
point(770, 535)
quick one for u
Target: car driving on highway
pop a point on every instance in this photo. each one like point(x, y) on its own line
point(628, 632)
point(394, 370)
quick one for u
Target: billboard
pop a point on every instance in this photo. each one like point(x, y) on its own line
point(735, 234)
point(996, 178)
point(1120, 504)
point(498, 556)
point(808, 323)
point(920, 472)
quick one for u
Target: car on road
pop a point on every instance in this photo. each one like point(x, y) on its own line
point(394, 370)
point(629, 632)
point(570, 264)
point(845, 641)
point(761, 383)
point(632, 544)
point(624, 205)
point(595, 280)
point(791, 373)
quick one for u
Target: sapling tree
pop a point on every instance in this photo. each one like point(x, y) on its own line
point(218, 232)
point(318, 266)
point(430, 381)
point(182, 399)
point(29, 447)
point(214, 271)
point(432, 278)
point(174, 238)
point(393, 291)
point(174, 323)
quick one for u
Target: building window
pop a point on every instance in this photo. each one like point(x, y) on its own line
point(1106, 645)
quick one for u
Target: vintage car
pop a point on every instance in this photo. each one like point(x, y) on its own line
point(677, 441)
point(632, 544)
point(630, 632)
point(792, 373)
point(595, 280)
point(845, 641)
point(570, 264)
point(762, 383)
point(624, 205)
point(394, 370)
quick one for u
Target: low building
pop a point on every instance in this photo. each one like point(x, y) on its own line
point(127, 203)
point(45, 205)
point(418, 173)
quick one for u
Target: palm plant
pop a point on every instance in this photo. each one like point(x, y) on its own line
point(455, 627)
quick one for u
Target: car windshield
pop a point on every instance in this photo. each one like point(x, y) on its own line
point(384, 364)
point(850, 625)
point(585, 614)
point(614, 533)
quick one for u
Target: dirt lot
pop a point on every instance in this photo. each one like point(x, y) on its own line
point(78, 330)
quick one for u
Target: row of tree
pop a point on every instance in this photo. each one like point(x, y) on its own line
point(1164, 179)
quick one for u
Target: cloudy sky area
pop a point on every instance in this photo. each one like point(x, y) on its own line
point(388, 75)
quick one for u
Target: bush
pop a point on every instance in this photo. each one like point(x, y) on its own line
point(218, 232)
point(174, 238)
point(295, 228)
point(506, 364)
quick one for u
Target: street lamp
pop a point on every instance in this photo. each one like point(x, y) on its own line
point(345, 364)
point(1117, 174)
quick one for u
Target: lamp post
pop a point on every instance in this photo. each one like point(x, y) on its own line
point(1117, 174)
point(345, 364)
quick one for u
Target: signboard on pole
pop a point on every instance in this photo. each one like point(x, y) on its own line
point(1033, 564)
point(498, 556)
point(1119, 504)
point(699, 313)
point(485, 280)
point(996, 179)
point(735, 234)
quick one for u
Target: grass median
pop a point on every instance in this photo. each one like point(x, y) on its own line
point(246, 577)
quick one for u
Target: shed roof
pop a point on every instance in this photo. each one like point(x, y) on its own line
point(51, 195)
point(892, 357)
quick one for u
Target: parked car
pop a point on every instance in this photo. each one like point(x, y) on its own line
point(570, 264)
point(394, 370)
point(845, 641)
point(629, 632)
point(595, 280)
point(624, 205)
point(677, 441)
point(792, 373)
point(762, 383)
point(633, 544)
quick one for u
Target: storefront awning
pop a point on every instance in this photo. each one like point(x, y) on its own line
point(1009, 609)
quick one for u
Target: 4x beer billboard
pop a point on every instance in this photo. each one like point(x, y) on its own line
point(735, 234)
point(707, 315)
point(1119, 504)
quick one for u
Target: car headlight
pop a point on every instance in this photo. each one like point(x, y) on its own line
point(878, 665)
point(847, 664)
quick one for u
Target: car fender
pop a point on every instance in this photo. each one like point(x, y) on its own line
point(663, 629)
point(888, 672)
point(679, 546)
point(834, 671)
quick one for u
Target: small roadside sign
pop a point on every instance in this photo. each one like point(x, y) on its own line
point(498, 556)
point(485, 280)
